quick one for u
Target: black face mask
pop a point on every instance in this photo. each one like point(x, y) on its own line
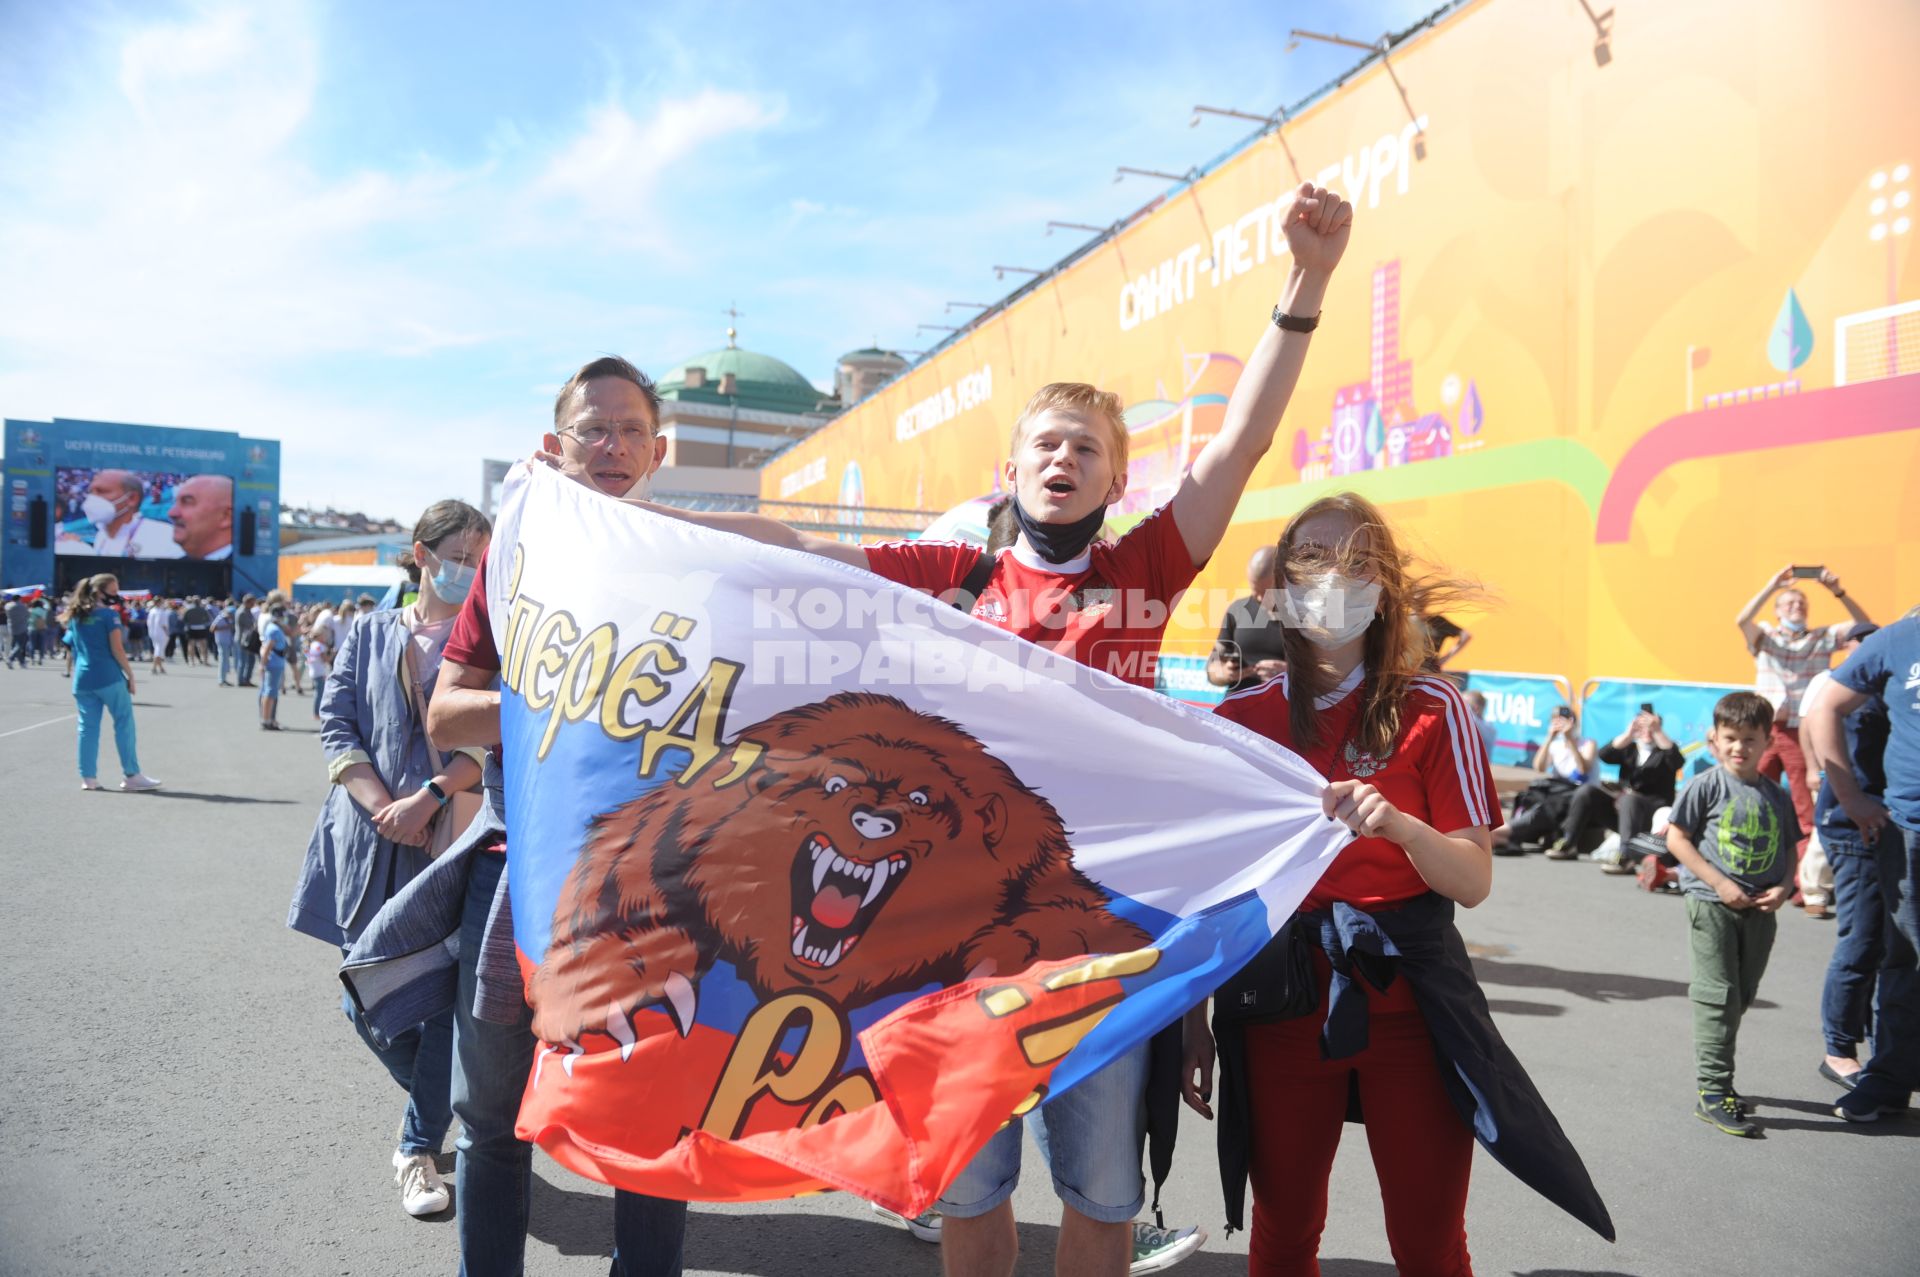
point(1059, 542)
point(112, 598)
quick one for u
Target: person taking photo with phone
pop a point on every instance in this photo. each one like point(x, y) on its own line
point(1786, 656)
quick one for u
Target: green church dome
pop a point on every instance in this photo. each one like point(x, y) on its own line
point(761, 381)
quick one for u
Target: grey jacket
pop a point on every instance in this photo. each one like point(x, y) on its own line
point(404, 968)
point(367, 716)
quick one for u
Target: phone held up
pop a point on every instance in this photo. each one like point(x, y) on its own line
point(1807, 572)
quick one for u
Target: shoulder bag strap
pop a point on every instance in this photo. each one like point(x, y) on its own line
point(976, 581)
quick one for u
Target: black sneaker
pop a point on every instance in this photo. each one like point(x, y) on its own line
point(1725, 1112)
point(1860, 1106)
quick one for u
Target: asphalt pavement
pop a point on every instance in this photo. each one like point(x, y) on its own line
point(182, 1094)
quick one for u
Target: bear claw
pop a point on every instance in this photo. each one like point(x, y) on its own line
point(682, 1001)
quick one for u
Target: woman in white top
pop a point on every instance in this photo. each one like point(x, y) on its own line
point(159, 627)
point(1567, 761)
point(319, 661)
point(1567, 754)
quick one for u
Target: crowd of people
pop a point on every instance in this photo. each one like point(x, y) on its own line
point(1334, 655)
point(96, 632)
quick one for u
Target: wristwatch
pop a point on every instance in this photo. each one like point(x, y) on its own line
point(1294, 323)
point(433, 787)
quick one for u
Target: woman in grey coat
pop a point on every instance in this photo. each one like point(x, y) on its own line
point(390, 790)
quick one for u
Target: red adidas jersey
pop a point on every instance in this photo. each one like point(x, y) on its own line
point(1437, 771)
point(1107, 609)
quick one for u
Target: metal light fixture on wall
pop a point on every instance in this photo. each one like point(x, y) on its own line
point(1077, 226)
point(1120, 174)
point(972, 305)
point(1379, 47)
point(1001, 272)
point(1602, 34)
point(1274, 122)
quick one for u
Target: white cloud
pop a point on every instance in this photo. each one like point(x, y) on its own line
point(171, 252)
point(613, 171)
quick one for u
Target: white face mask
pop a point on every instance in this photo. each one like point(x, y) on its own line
point(99, 511)
point(1329, 610)
point(641, 487)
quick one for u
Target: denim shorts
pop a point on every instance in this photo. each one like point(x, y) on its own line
point(1092, 1138)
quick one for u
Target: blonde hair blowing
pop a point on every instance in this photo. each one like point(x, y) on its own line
point(1078, 399)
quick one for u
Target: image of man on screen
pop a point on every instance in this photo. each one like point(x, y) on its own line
point(202, 517)
point(109, 512)
point(125, 532)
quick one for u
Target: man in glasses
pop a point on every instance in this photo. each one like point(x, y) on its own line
point(611, 440)
point(605, 431)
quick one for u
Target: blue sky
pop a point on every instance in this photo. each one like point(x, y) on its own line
point(386, 233)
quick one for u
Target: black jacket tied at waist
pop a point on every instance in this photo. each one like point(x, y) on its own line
point(1489, 1088)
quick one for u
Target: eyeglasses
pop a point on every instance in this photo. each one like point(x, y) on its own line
point(595, 434)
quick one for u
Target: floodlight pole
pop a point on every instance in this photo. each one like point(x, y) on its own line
point(1276, 121)
point(1124, 169)
point(1379, 47)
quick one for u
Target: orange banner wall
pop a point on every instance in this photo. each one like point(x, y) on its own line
point(1627, 340)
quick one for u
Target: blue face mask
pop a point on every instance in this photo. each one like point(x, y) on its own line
point(451, 581)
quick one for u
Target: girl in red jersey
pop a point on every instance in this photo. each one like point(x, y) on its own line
point(1418, 1055)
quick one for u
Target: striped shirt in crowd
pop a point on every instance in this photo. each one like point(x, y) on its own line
point(1785, 663)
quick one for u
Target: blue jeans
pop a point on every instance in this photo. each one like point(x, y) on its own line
point(421, 1061)
point(223, 639)
point(493, 1179)
point(246, 659)
point(1846, 1004)
point(1091, 1137)
point(1893, 1072)
point(93, 703)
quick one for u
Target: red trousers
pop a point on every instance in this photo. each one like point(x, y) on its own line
point(1422, 1151)
point(1783, 755)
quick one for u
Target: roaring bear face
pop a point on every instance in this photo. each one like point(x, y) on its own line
point(869, 822)
point(870, 850)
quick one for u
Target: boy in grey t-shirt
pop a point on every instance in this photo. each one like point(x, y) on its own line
point(1733, 834)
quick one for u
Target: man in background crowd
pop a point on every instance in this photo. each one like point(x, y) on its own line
point(1477, 702)
point(1884, 666)
point(19, 630)
point(1248, 651)
point(246, 637)
point(1445, 640)
point(1649, 763)
point(198, 620)
point(41, 639)
point(223, 638)
point(1786, 656)
point(1839, 870)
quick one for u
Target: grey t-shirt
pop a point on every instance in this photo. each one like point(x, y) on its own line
point(1745, 830)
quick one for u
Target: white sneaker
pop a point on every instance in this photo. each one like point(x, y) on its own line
point(925, 1226)
point(88, 782)
point(422, 1191)
point(139, 783)
point(1158, 1249)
